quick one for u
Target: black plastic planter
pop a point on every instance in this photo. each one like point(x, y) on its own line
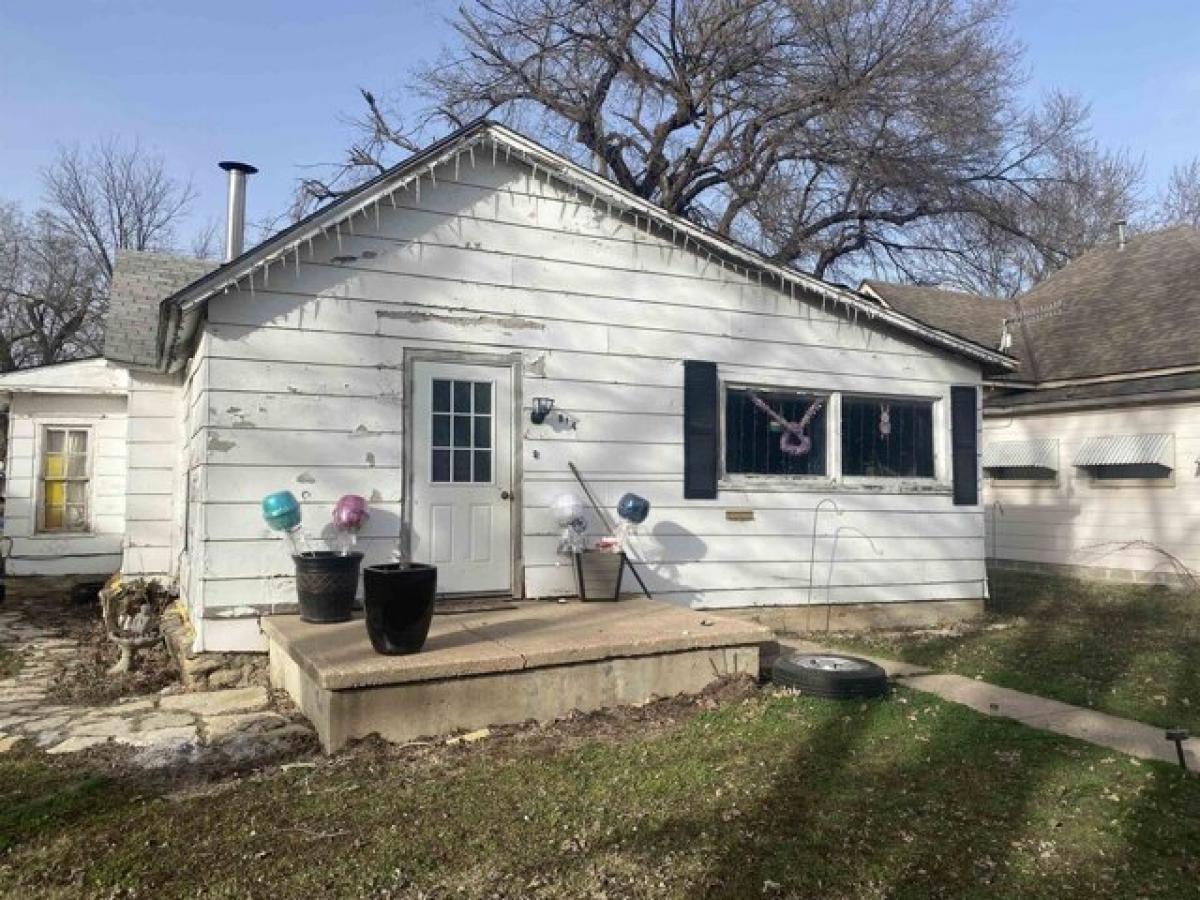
point(399, 602)
point(326, 583)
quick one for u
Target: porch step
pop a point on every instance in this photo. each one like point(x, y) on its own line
point(537, 661)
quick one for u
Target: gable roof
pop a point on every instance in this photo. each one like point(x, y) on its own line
point(183, 310)
point(1115, 310)
point(978, 319)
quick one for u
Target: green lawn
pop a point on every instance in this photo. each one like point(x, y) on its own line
point(773, 796)
point(1130, 651)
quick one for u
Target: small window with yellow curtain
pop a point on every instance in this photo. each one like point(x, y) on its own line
point(65, 476)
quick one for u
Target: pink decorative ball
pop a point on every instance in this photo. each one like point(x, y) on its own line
point(350, 513)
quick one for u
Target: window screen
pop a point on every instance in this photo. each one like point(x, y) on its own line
point(64, 482)
point(887, 438)
point(754, 437)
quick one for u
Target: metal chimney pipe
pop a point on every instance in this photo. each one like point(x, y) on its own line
point(1120, 234)
point(235, 210)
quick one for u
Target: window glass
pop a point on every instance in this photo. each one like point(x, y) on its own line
point(64, 480)
point(758, 440)
point(887, 438)
point(461, 431)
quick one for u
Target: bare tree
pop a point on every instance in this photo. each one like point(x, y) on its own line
point(52, 297)
point(835, 135)
point(1180, 202)
point(111, 197)
point(1085, 191)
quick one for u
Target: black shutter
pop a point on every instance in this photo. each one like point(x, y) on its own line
point(964, 439)
point(700, 439)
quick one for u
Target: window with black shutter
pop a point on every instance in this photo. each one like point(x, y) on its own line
point(701, 441)
point(964, 441)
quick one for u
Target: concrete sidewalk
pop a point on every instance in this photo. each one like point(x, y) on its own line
point(1123, 735)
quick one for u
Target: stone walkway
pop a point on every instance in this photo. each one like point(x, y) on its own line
point(161, 729)
point(1123, 735)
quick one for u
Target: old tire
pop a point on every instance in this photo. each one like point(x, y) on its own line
point(830, 675)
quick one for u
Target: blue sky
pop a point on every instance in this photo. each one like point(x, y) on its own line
point(272, 83)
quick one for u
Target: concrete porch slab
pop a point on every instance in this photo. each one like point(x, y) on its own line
point(537, 660)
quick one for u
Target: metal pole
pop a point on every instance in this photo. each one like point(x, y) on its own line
point(608, 523)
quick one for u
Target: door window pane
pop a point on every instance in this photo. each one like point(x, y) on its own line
point(483, 397)
point(440, 465)
point(462, 396)
point(462, 465)
point(441, 431)
point(483, 465)
point(441, 395)
point(887, 438)
point(461, 431)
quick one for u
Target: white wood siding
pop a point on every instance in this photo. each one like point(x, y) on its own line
point(1077, 522)
point(303, 390)
point(97, 552)
point(154, 443)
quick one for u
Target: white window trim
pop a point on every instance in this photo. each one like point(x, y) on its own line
point(834, 481)
point(40, 427)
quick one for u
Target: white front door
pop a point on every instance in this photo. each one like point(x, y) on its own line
point(462, 475)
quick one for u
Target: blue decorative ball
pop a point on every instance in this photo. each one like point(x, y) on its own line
point(633, 508)
point(281, 511)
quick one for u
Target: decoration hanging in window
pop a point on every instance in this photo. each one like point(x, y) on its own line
point(775, 432)
point(795, 440)
point(885, 420)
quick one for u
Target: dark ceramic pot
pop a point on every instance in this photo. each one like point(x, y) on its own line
point(326, 583)
point(399, 603)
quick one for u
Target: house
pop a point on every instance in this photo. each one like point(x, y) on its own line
point(396, 343)
point(1092, 446)
point(66, 477)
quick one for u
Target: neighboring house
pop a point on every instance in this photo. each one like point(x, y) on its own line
point(394, 344)
point(1092, 446)
point(65, 491)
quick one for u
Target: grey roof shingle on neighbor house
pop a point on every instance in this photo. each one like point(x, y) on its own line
point(141, 281)
point(978, 319)
point(1113, 311)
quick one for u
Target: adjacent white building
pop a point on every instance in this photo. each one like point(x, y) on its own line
point(66, 468)
point(1091, 449)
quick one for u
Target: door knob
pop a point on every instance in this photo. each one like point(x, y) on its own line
point(505, 495)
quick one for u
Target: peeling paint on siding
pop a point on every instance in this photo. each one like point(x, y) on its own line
point(516, 322)
point(216, 445)
point(371, 460)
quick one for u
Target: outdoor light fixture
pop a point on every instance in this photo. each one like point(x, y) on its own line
point(541, 409)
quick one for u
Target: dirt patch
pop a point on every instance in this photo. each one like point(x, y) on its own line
point(539, 740)
point(88, 683)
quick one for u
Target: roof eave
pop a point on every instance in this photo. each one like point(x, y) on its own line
point(370, 193)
